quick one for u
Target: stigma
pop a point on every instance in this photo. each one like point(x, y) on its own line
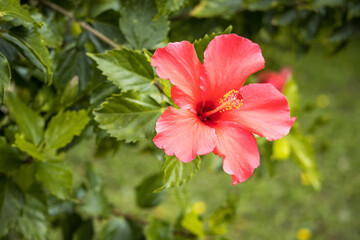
point(230, 101)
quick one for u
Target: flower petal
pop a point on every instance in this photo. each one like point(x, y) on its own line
point(228, 61)
point(181, 132)
point(239, 150)
point(265, 111)
point(179, 63)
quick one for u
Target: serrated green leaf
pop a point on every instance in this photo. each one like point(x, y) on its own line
point(145, 196)
point(176, 173)
point(201, 44)
point(33, 47)
point(56, 177)
point(29, 122)
point(28, 147)
point(159, 230)
point(64, 127)
point(11, 201)
point(5, 76)
point(138, 25)
point(128, 116)
point(213, 8)
point(12, 10)
point(116, 228)
point(9, 158)
point(304, 156)
point(127, 69)
point(168, 6)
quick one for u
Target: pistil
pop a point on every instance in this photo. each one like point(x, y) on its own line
point(231, 100)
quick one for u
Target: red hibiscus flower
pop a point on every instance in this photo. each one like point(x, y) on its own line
point(217, 113)
point(277, 79)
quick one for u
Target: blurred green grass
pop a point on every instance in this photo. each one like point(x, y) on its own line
point(271, 207)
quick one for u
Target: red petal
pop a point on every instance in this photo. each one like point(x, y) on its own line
point(228, 61)
point(239, 150)
point(180, 132)
point(179, 63)
point(265, 111)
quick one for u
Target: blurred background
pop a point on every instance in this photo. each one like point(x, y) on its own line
point(307, 186)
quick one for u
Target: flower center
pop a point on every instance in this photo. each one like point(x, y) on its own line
point(232, 99)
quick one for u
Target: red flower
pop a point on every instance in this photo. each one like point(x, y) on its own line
point(278, 80)
point(217, 113)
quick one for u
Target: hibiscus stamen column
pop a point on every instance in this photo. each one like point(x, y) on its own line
point(231, 100)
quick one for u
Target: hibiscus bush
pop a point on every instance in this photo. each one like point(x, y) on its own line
point(149, 93)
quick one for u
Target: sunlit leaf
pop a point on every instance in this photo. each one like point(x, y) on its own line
point(193, 224)
point(28, 147)
point(128, 116)
point(64, 127)
point(11, 10)
point(177, 173)
point(29, 122)
point(56, 177)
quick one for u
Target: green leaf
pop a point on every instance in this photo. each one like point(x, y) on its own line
point(12, 10)
point(73, 64)
point(116, 228)
point(138, 25)
point(5, 76)
point(95, 201)
point(57, 178)
point(166, 86)
point(11, 201)
point(64, 126)
point(159, 230)
point(25, 176)
point(304, 156)
point(128, 116)
point(168, 6)
point(127, 69)
point(201, 44)
point(29, 122)
point(28, 147)
point(33, 223)
point(281, 149)
point(213, 8)
point(10, 159)
point(145, 196)
point(193, 224)
point(177, 173)
point(33, 47)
